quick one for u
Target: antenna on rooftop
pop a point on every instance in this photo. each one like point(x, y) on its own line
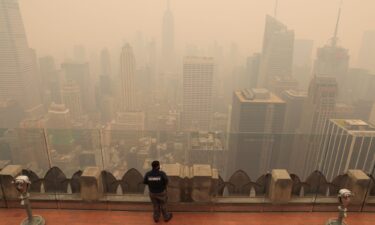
point(276, 8)
point(335, 38)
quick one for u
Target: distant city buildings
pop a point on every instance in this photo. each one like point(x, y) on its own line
point(231, 112)
point(71, 97)
point(80, 74)
point(197, 91)
point(58, 117)
point(280, 84)
point(207, 148)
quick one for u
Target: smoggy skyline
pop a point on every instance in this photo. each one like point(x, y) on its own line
point(55, 26)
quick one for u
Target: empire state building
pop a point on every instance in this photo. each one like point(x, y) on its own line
point(168, 40)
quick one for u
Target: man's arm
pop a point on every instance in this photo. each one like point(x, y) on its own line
point(145, 179)
point(165, 178)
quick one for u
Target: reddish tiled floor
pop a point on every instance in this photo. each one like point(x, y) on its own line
point(77, 217)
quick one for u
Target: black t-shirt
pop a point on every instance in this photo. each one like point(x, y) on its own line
point(156, 180)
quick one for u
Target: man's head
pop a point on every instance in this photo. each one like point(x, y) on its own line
point(155, 165)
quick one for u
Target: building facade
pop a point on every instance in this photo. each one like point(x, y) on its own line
point(197, 90)
point(347, 144)
point(257, 120)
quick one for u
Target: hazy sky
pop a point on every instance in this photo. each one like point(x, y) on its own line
point(53, 26)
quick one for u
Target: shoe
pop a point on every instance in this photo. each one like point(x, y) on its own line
point(169, 217)
point(156, 220)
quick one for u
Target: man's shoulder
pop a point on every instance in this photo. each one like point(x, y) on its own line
point(163, 173)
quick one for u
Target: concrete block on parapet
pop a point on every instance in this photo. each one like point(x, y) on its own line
point(7, 176)
point(280, 187)
point(358, 184)
point(91, 184)
point(203, 181)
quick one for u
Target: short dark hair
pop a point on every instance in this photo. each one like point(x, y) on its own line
point(155, 164)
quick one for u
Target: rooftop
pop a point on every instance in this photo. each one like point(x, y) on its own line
point(354, 126)
point(258, 95)
point(63, 217)
point(295, 93)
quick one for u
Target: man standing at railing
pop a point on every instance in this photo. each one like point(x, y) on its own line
point(157, 182)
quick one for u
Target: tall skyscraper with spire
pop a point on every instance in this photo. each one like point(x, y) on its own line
point(277, 52)
point(333, 60)
point(168, 39)
point(17, 72)
point(127, 76)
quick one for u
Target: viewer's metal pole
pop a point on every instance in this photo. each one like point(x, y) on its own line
point(344, 199)
point(22, 184)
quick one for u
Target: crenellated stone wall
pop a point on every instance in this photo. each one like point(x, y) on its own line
point(196, 184)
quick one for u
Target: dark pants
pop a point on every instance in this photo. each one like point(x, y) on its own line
point(159, 202)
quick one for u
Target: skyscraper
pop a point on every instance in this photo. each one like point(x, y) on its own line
point(294, 105)
point(257, 119)
point(130, 121)
point(372, 116)
point(277, 52)
point(302, 61)
point(333, 60)
point(71, 97)
point(367, 51)
point(347, 144)
point(18, 78)
point(58, 117)
point(197, 90)
point(168, 40)
point(80, 74)
point(252, 69)
point(51, 83)
point(127, 77)
point(318, 108)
